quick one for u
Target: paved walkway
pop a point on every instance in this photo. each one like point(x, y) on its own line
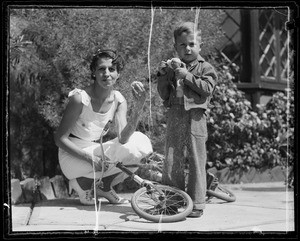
point(258, 208)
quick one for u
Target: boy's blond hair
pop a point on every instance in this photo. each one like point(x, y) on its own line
point(188, 28)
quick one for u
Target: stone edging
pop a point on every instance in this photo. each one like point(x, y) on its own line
point(56, 187)
point(26, 191)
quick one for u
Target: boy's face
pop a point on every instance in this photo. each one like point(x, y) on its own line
point(187, 47)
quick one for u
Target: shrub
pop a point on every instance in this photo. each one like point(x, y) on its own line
point(50, 51)
point(242, 137)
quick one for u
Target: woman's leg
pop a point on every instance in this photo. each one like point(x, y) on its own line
point(85, 183)
point(137, 147)
point(130, 153)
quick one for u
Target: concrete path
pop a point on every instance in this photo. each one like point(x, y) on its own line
point(258, 208)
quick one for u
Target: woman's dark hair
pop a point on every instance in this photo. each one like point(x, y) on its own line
point(107, 53)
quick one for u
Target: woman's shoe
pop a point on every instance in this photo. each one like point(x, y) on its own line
point(110, 195)
point(85, 196)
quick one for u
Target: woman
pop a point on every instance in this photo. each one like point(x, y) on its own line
point(85, 116)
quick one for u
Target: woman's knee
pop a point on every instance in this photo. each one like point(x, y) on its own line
point(141, 142)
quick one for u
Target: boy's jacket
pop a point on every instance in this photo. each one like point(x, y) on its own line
point(198, 87)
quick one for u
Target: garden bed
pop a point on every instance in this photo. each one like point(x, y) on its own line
point(253, 175)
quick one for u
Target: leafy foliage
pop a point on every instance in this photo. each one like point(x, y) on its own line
point(50, 52)
point(242, 137)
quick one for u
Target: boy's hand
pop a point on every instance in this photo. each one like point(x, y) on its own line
point(162, 67)
point(180, 73)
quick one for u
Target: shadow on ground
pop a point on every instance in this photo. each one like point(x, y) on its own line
point(265, 189)
point(123, 209)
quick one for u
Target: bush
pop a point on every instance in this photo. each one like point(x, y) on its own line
point(242, 137)
point(50, 52)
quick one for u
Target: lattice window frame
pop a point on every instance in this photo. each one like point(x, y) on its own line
point(237, 57)
point(274, 68)
point(253, 55)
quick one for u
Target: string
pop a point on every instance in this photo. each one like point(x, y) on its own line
point(149, 70)
point(288, 113)
point(196, 21)
point(95, 199)
point(95, 191)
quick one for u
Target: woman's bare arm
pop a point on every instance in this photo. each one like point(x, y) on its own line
point(127, 128)
point(61, 136)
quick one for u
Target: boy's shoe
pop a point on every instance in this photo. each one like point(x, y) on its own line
point(195, 213)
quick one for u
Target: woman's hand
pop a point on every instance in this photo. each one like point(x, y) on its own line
point(139, 93)
point(98, 164)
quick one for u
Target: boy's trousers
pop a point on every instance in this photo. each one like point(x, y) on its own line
point(186, 141)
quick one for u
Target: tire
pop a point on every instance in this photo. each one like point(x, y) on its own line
point(167, 205)
point(221, 193)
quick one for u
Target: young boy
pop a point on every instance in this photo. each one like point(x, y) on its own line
point(186, 116)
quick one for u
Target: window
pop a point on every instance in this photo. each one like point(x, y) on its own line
point(273, 44)
point(270, 46)
point(230, 50)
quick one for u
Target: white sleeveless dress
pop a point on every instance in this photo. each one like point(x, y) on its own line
point(88, 128)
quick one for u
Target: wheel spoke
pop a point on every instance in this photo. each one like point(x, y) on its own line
point(161, 204)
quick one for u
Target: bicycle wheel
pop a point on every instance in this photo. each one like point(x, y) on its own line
point(221, 193)
point(161, 204)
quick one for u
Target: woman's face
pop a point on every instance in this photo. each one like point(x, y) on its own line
point(106, 73)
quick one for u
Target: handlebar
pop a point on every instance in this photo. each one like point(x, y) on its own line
point(105, 129)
